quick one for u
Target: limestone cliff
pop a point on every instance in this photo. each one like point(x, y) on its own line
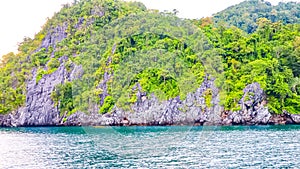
point(111, 62)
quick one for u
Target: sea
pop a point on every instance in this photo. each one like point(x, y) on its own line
point(150, 147)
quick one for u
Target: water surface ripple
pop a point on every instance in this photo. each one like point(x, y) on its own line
point(151, 147)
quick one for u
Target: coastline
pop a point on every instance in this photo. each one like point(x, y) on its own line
point(275, 120)
point(149, 111)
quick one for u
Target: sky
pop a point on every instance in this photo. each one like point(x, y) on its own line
point(24, 18)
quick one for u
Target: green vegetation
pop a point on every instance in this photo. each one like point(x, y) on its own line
point(208, 97)
point(246, 14)
point(157, 62)
point(268, 56)
point(125, 45)
point(108, 105)
point(64, 95)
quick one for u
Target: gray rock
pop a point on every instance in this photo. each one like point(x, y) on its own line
point(103, 87)
point(262, 116)
point(148, 110)
point(54, 36)
point(253, 95)
point(252, 110)
point(79, 23)
point(295, 118)
point(40, 110)
point(76, 73)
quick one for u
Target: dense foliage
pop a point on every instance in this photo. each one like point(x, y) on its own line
point(269, 56)
point(122, 45)
point(246, 14)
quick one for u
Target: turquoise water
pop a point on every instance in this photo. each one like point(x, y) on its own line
point(150, 147)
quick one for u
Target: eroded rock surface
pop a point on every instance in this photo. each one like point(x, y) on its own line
point(148, 110)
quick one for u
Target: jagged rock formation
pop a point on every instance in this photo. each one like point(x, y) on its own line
point(252, 108)
point(191, 111)
point(105, 38)
point(40, 109)
point(54, 36)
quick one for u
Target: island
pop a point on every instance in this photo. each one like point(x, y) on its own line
point(117, 63)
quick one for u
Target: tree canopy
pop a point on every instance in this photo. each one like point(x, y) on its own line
point(122, 45)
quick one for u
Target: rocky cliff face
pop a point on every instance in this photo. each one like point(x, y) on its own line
point(40, 110)
point(54, 36)
point(191, 111)
point(252, 108)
